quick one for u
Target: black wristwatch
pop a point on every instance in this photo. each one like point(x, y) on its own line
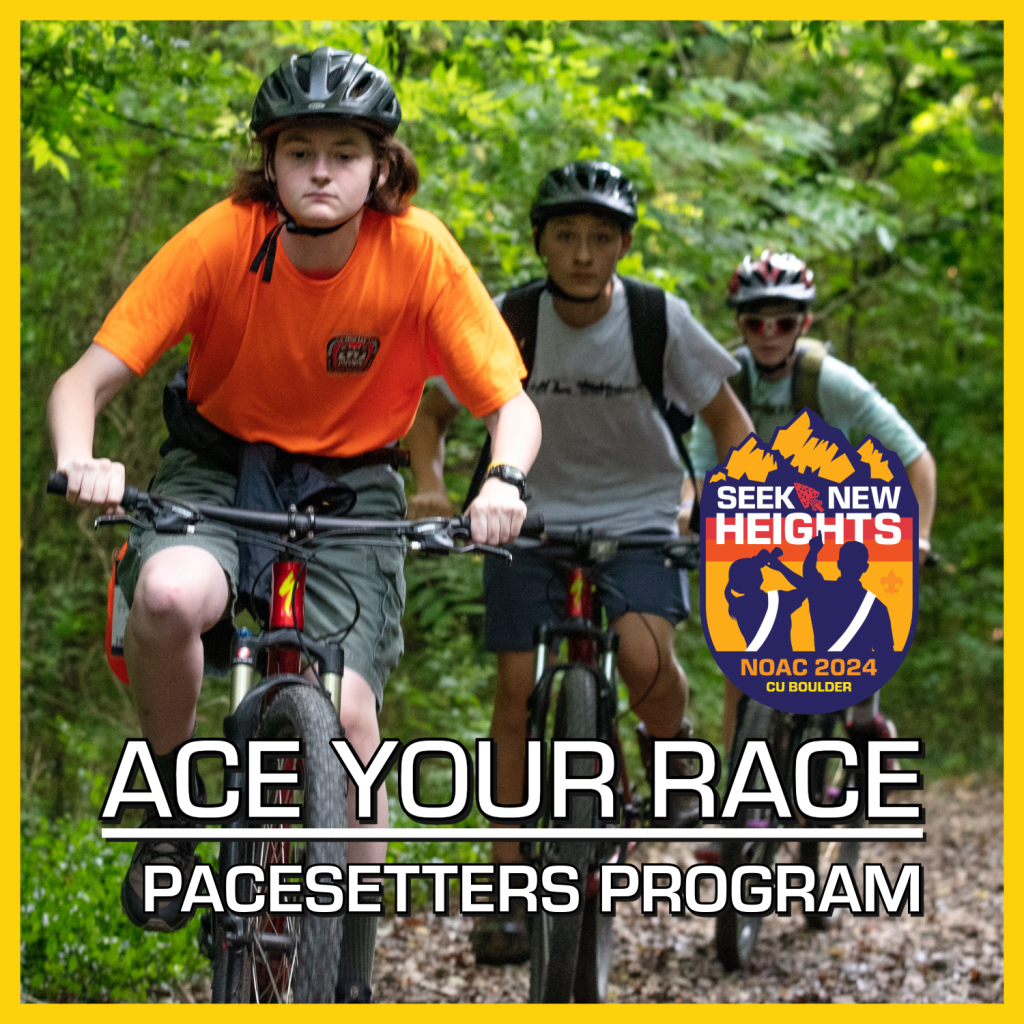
point(509, 475)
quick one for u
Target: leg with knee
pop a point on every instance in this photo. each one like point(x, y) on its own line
point(181, 593)
point(652, 674)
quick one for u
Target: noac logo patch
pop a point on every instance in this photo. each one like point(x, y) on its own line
point(809, 567)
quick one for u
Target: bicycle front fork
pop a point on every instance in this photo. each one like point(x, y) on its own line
point(243, 665)
point(541, 663)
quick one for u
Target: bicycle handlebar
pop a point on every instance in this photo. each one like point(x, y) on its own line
point(293, 523)
point(590, 546)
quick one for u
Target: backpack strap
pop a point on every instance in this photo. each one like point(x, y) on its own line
point(741, 382)
point(810, 354)
point(648, 323)
point(520, 310)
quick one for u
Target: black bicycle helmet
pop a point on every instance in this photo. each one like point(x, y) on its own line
point(326, 82)
point(773, 276)
point(580, 188)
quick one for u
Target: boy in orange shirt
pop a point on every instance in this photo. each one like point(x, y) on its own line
point(318, 303)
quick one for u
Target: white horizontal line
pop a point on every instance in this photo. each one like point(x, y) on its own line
point(475, 835)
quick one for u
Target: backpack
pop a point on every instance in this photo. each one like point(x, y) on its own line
point(649, 326)
point(810, 354)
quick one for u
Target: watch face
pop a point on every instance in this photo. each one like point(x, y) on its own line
point(510, 475)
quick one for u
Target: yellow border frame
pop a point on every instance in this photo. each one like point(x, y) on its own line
point(10, 523)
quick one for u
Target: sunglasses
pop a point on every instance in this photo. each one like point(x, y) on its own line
point(771, 324)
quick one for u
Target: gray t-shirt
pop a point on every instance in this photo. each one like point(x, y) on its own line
point(607, 460)
point(846, 400)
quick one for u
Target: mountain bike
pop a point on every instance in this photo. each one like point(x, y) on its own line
point(736, 933)
point(276, 957)
point(571, 953)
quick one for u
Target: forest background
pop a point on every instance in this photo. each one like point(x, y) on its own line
point(873, 149)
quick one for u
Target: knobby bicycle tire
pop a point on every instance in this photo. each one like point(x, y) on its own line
point(829, 780)
point(556, 938)
point(594, 962)
point(735, 933)
point(307, 971)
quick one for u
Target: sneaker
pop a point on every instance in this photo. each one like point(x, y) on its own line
point(167, 915)
point(180, 853)
point(683, 808)
point(502, 938)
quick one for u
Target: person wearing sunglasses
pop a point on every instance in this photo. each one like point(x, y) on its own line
point(781, 372)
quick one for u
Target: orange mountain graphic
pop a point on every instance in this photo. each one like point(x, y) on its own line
point(752, 461)
point(873, 457)
point(807, 452)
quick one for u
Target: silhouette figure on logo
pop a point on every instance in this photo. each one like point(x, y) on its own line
point(843, 609)
point(764, 617)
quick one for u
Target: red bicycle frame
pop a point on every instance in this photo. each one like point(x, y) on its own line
point(287, 611)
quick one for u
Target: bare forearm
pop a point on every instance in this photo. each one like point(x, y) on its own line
point(71, 412)
point(71, 417)
point(515, 432)
point(922, 475)
point(727, 420)
point(425, 442)
point(77, 398)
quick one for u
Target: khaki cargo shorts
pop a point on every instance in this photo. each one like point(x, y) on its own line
point(372, 571)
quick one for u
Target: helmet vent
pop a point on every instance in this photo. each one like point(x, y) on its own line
point(302, 75)
point(335, 77)
point(362, 85)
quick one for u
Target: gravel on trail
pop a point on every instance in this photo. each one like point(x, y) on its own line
point(953, 953)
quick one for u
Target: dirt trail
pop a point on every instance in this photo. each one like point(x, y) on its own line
point(954, 953)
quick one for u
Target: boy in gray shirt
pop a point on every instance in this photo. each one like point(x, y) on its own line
point(608, 462)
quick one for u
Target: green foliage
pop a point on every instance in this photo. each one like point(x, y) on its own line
point(76, 943)
point(872, 148)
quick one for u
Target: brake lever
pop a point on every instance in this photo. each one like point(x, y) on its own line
point(485, 549)
point(116, 520)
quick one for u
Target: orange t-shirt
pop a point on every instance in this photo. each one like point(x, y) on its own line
point(320, 367)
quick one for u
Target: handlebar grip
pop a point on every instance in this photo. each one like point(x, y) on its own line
point(57, 484)
point(533, 526)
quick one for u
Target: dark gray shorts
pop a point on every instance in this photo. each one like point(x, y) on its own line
point(530, 592)
point(373, 571)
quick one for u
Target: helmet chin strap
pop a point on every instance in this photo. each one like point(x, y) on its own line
point(762, 369)
point(561, 293)
point(300, 229)
point(268, 250)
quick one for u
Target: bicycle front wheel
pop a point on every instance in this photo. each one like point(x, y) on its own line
point(294, 958)
point(555, 938)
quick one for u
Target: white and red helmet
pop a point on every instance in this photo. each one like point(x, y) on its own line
point(773, 276)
